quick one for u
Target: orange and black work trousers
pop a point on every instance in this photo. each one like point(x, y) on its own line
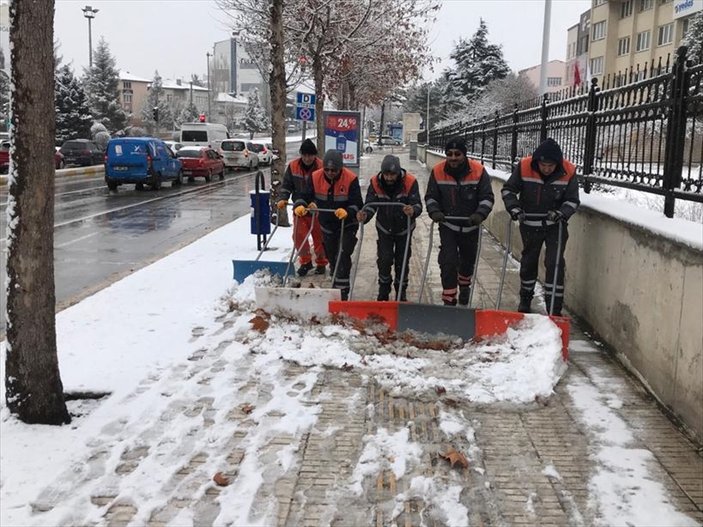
point(457, 257)
point(301, 228)
point(341, 269)
point(532, 239)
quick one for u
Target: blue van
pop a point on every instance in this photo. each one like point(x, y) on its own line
point(140, 160)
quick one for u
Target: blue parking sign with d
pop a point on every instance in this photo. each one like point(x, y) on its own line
point(304, 99)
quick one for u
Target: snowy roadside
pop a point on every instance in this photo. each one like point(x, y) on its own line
point(201, 383)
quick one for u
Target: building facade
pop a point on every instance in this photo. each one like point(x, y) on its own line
point(629, 35)
point(233, 72)
point(577, 44)
point(556, 75)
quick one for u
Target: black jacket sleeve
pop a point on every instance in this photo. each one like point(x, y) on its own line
point(571, 198)
point(371, 197)
point(287, 185)
point(485, 195)
point(355, 199)
point(511, 189)
point(414, 199)
point(432, 196)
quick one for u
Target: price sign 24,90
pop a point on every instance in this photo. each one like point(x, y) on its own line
point(341, 122)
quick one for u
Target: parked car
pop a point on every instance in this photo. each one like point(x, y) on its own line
point(81, 152)
point(264, 154)
point(201, 162)
point(140, 160)
point(175, 146)
point(387, 140)
point(274, 152)
point(5, 157)
point(235, 154)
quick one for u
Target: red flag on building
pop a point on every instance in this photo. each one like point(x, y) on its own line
point(577, 74)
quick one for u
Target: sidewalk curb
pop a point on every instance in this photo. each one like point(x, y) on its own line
point(66, 172)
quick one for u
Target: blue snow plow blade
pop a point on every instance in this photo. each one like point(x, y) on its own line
point(244, 268)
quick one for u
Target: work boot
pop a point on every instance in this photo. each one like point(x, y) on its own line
point(558, 302)
point(384, 291)
point(451, 302)
point(464, 295)
point(304, 268)
point(525, 304)
point(320, 269)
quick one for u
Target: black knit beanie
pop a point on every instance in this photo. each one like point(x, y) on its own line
point(308, 147)
point(456, 143)
point(548, 152)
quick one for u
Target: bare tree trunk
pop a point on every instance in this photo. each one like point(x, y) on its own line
point(277, 87)
point(318, 75)
point(33, 384)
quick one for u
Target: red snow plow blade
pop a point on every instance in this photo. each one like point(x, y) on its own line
point(425, 318)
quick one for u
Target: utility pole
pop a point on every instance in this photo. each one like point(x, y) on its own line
point(545, 47)
point(427, 114)
point(89, 13)
point(208, 55)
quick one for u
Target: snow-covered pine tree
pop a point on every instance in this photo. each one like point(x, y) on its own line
point(188, 114)
point(478, 62)
point(255, 118)
point(157, 99)
point(693, 39)
point(102, 87)
point(73, 118)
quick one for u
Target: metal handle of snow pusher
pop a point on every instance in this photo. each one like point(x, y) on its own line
point(259, 185)
point(403, 270)
point(296, 251)
point(508, 244)
point(268, 240)
point(429, 253)
point(556, 268)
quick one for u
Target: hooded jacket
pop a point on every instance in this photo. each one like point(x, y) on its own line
point(296, 177)
point(344, 192)
point(527, 189)
point(460, 194)
point(392, 219)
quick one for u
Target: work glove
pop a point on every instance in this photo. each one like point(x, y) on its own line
point(555, 215)
point(408, 210)
point(312, 205)
point(282, 203)
point(341, 214)
point(300, 211)
point(517, 215)
point(437, 216)
point(475, 219)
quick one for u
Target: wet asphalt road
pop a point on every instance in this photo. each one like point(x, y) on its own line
point(100, 236)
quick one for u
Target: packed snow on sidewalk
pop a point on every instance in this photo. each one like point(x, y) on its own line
point(197, 377)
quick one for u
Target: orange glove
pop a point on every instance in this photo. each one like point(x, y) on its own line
point(341, 214)
point(312, 205)
point(300, 211)
point(282, 204)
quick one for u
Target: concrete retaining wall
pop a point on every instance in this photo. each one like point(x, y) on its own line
point(641, 292)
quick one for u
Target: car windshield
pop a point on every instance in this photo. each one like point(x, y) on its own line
point(194, 135)
point(188, 152)
point(75, 145)
point(257, 148)
point(232, 146)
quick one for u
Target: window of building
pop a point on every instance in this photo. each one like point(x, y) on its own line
point(127, 98)
point(666, 34)
point(597, 66)
point(553, 81)
point(599, 30)
point(126, 85)
point(583, 46)
point(624, 46)
point(643, 39)
point(684, 27)
point(664, 1)
point(646, 4)
point(599, 2)
point(626, 9)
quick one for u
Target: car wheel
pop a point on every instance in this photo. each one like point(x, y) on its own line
point(156, 184)
point(222, 174)
point(111, 185)
point(208, 178)
point(191, 179)
point(60, 164)
point(139, 186)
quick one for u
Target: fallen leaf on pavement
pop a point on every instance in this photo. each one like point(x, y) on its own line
point(220, 479)
point(247, 408)
point(347, 367)
point(441, 390)
point(259, 324)
point(455, 457)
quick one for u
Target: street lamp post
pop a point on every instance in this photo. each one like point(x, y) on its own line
point(208, 55)
point(89, 13)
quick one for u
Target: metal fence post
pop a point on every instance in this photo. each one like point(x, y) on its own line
point(589, 148)
point(495, 141)
point(483, 140)
point(675, 131)
point(513, 140)
point(544, 114)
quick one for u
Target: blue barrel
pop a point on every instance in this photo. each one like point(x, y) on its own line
point(260, 212)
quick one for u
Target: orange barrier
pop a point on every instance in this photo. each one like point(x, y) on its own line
point(385, 311)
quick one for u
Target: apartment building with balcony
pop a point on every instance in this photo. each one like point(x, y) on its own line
point(629, 35)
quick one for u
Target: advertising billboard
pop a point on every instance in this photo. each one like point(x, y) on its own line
point(343, 133)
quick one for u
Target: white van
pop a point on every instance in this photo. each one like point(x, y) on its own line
point(203, 134)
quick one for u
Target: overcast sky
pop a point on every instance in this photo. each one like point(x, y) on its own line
point(174, 35)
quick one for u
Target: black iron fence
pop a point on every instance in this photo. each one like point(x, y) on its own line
point(641, 130)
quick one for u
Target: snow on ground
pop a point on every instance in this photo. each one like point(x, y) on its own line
point(179, 348)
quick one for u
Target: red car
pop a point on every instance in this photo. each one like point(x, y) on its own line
point(201, 161)
point(5, 158)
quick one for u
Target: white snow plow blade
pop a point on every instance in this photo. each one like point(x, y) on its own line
point(296, 302)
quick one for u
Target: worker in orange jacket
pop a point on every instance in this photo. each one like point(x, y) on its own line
point(295, 181)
